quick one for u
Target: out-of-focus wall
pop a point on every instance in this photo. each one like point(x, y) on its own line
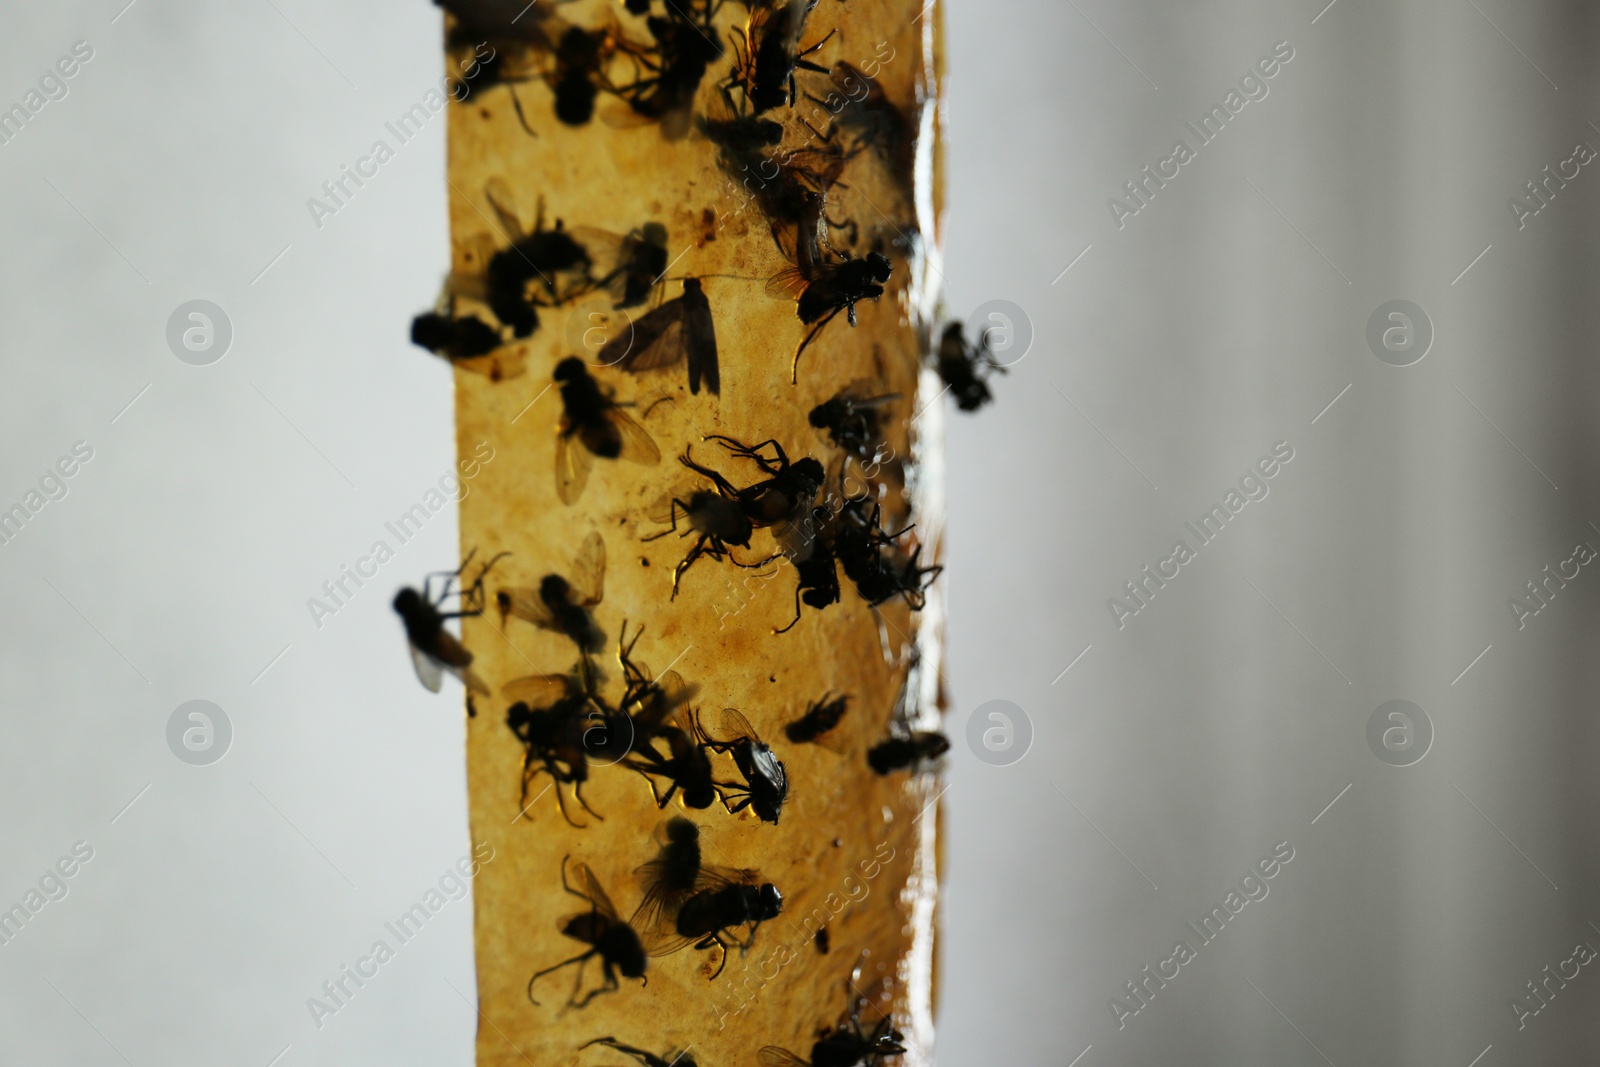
point(1219, 308)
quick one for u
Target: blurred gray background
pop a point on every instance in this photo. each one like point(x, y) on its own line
point(1175, 346)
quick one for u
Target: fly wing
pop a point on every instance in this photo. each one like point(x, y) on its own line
point(787, 284)
point(637, 444)
point(588, 579)
point(470, 679)
point(734, 725)
point(538, 690)
point(573, 463)
point(590, 887)
point(702, 343)
point(429, 671)
point(657, 340)
point(606, 249)
point(504, 204)
point(450, 652)
point(773, 1056)
point(525, 603)
point(797, 538)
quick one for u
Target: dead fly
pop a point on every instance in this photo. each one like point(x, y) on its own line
point(631, 265)
point(671, 877)
point(593, 424)
point(828, 289)
point(649, 1059)
point(852, 419)
point(817, 583)
point(861, 109)
point(742, 138)
point(434, 649)
point(548, 718)
point(819, 718)
point(768, 52)
point(577, 59)
point(649, 702)
point(468, 343)
point(847, 1045)
point(693, 904)
point(766, 782)
point(685, 46)
point(874, 561)
point(782, 500)
point(463, 338)
point(687, 765)
point(907, 751)
point(562, 604)
point(716, 518)
point(722, 901)
point(551, 260)
point(613, 940)
point(965, 368)
point(680, 329)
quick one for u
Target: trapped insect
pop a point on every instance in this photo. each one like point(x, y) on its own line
point(874, 560)
point(541, 267)
point(727, 515)
point(965, 367)
point(564, 605)
point(852, 418)
point(846, 1045)
point(434, 649)
point(686, 44)
point(679, 330)
point(593, 424)
point(766, 781)
point(767, 53)
point(907, 751)
point(686, 765)
point(688, 903)
point(829, 288)
point(722, 901)
point(670, 878)
point(649, 1059)
point(551, 718)
point(819, 718)
point(614, 941)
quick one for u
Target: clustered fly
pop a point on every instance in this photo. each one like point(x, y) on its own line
point(593, 424)
point(845, 1045)
point(434, 649)
point(966, 367)
point(614, 941)
point(689, 903)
